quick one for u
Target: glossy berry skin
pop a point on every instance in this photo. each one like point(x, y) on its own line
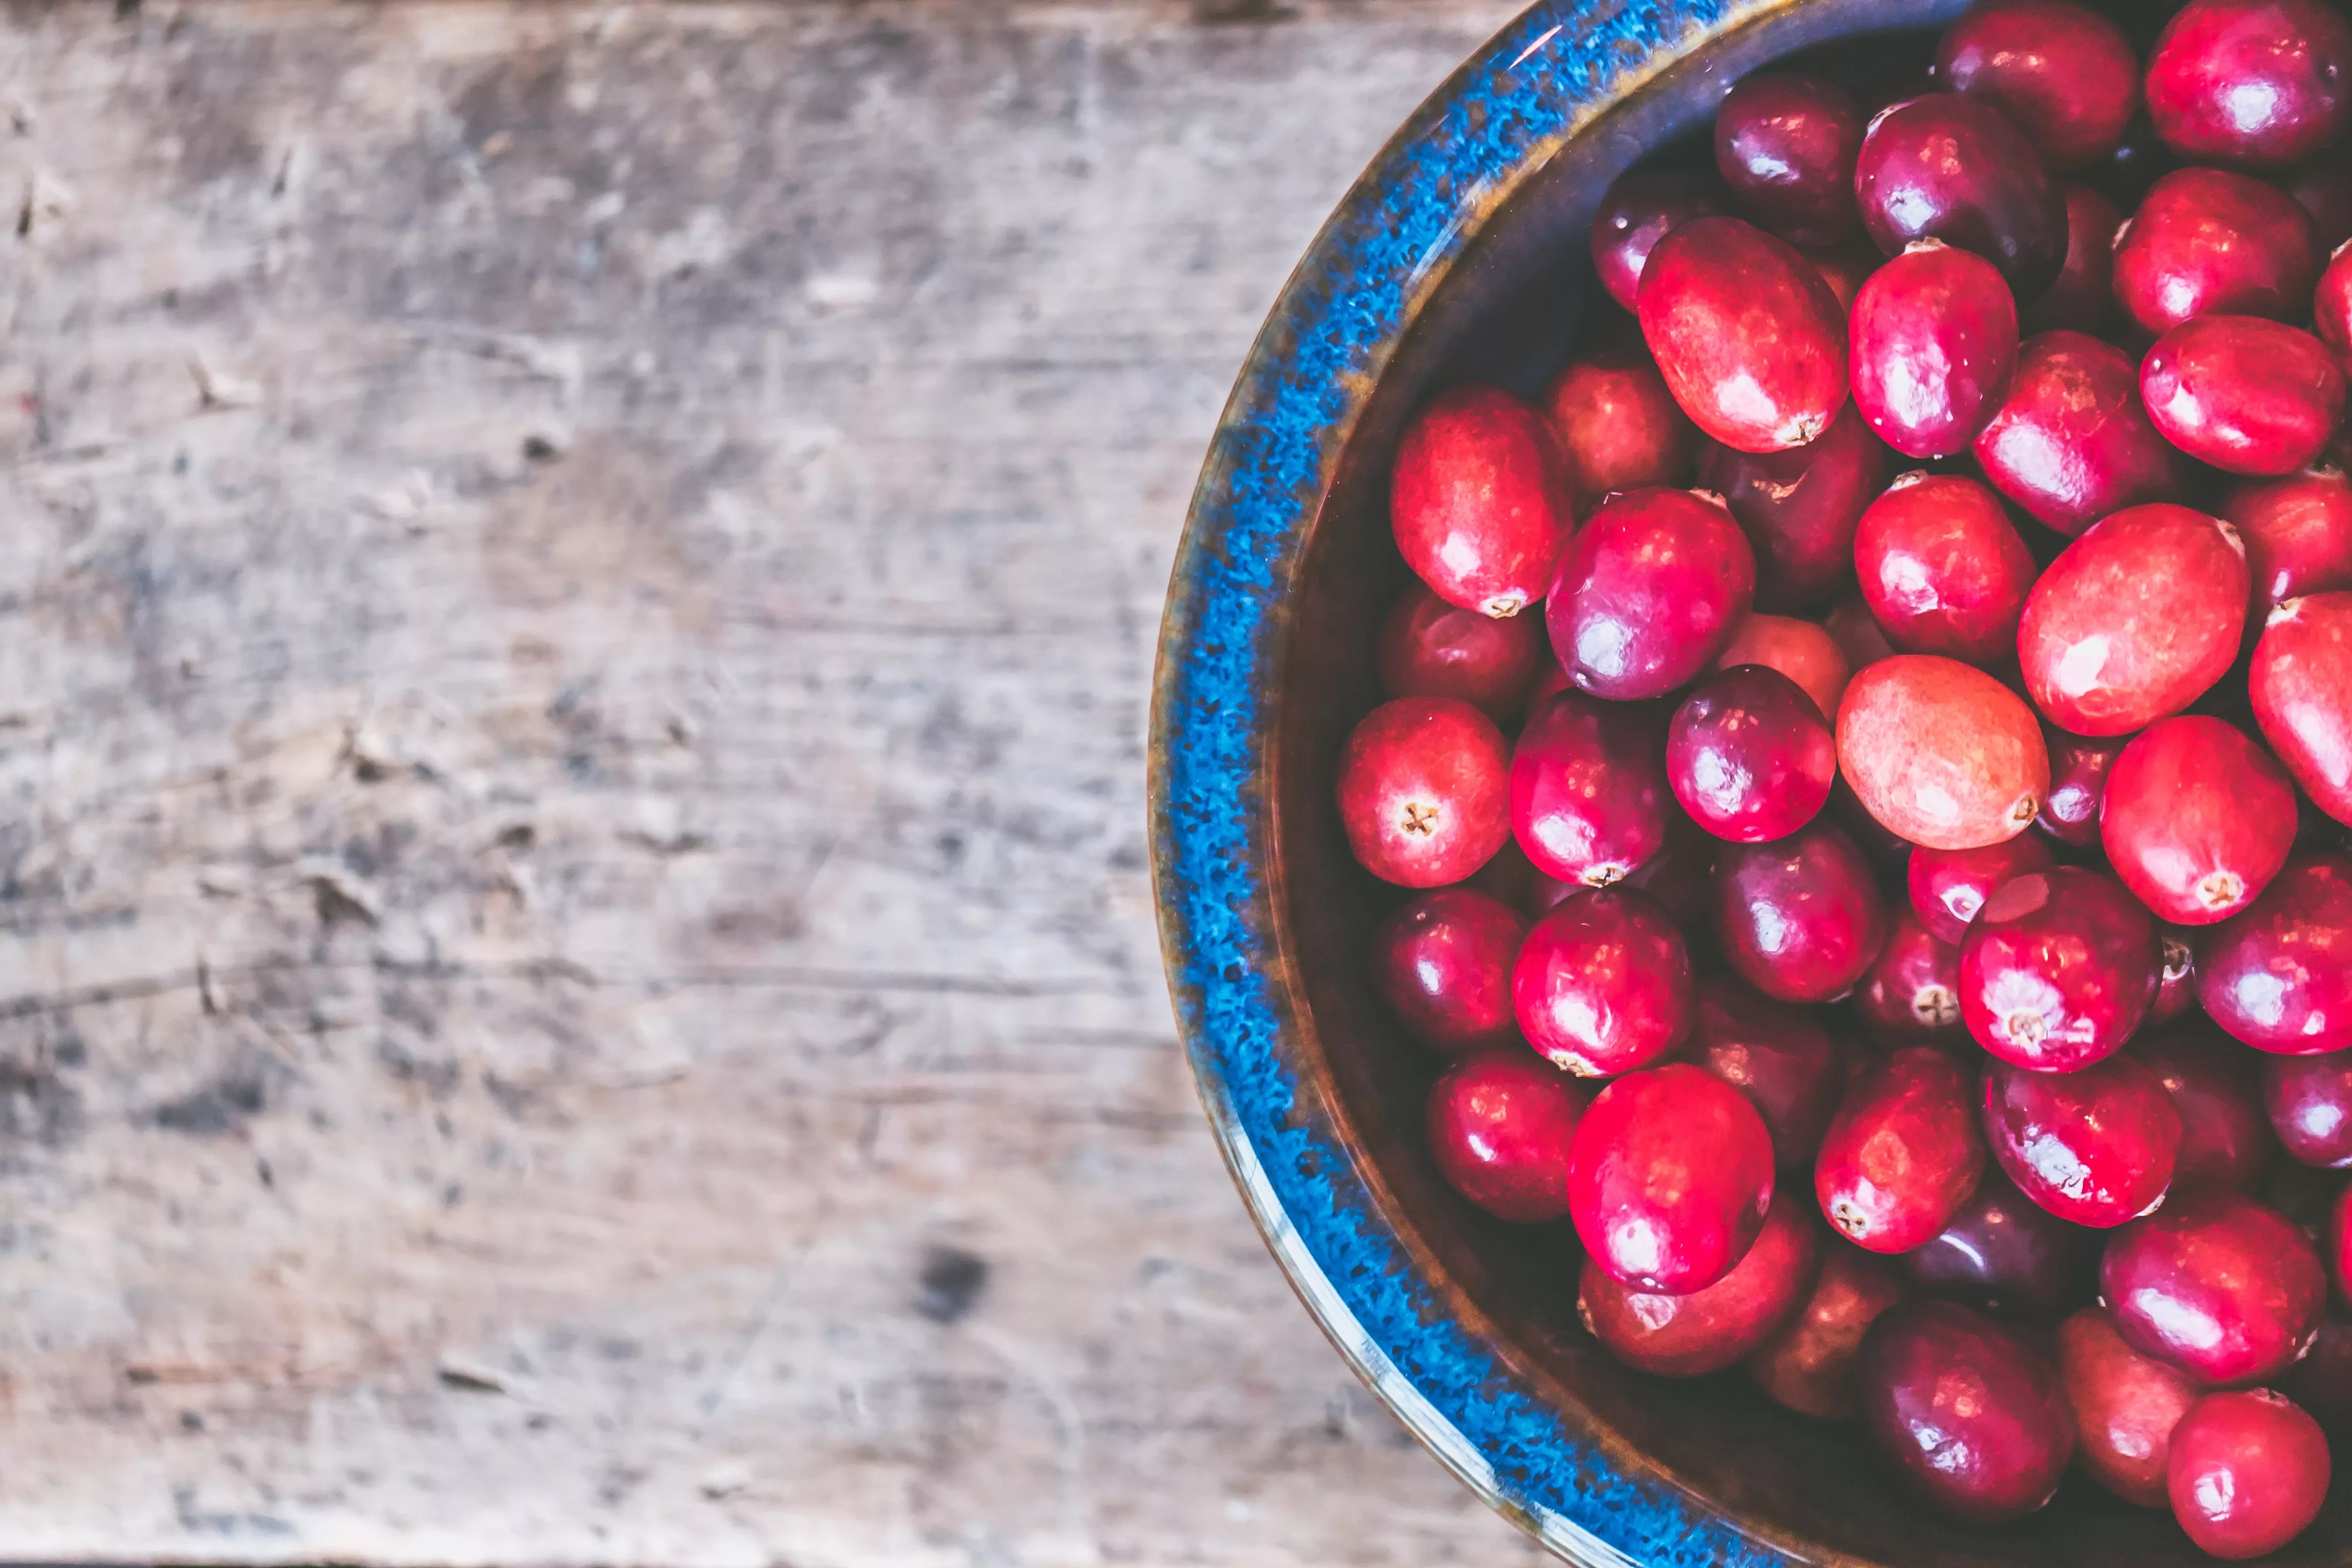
point(1799, 508)
point(1649, 593)
point(1748, 336)
point(1749, 757)
point(1951, 167)
point(2058, 969)
point(2302, 688)
point(2084, 298)
point(1966, 1414)
point(2003, 1254)
point(1443, 963)
point(1425, 791)
point(1785, 143)
point(1941, 753)
point(2135, 620)
point(1943, 569)
point(1587, 797)
point(1638, 211)
point(2298, 536)
point(2322, 1381)
point(1713, 1327)
point(2245, 394)
point(2196, 819)
point(1911, 993)
point(1948, 887)
point(2279, 976)
point(1807, 1364)
point(1501, 1122)
point(1681, 875)
point(1480, 499)
point(1784, 1062)
point(2309, 1101)
point(2125, 1405)
point(2225, 1138)
point(2211, 242)
point(1603, 984)
point(1669, 1177)
point(1430, 648)
point(2065, 74)
point(2095, 1147)
point(2071, 443)
point(2247, 1472)
point(1801, 650)
point(2331, 306)
point(2257, 82)
point(2225, 1289)
point(1800, 919)
point(1932, 344)
point(2078, 786)
point(1618, 426)
point(1903, 1152)
point(2322, 187)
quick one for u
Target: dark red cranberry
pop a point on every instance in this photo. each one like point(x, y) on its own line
point(1603, 985)
point(2084, 298)
point(1933, 340)
point(1425, 791)
point(1857, 634)
point(1784, 1062)
point(2003, 1254)
point(1480, 499)
point(1501, 1122)
point(2279, 976)
point(1807, 1364)
point(1443, 963)
point(2322, 1381)
point(1969, 1417)
point(1429, 648)
point(1786, 142)
point(2323, 189)
point(1750, 340)
point(2197, 819)
point(1669, 1177)
point(2078, 786)
point(2247, 1471)
point(2310, 1103)
point(1549, 682)
point(1955, 168)
point(1912, 993)
point(2135, 620)
point(1950, 886)
point(2331, 305)
point(1636, 213)
point(1903, 1152)
point(2064, 73)
point(1801, 650)
point(2298, 536)
point(2071, 443)
point(2260, 82)
point(1943, 569)
point(1799, 918)
point(1749, 755)
point(2302, 688)
point(2176, 990)
point(2225, 1139)
point(1941, 753)
point(1618, 424)
point(2095, 1147)
point(2125, 1405)
point(1712, 1328)
point(1799, 508)
point(2223, 1287)
point(2247, 395)
point(2058, 969)
point(1649, 591)
point(1843, 266)
point(2208, 241)
point(1588, 795)
point(1681, 875)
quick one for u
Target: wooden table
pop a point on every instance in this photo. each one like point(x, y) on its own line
point(577, 981)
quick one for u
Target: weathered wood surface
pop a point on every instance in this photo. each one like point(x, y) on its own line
point(576, 972)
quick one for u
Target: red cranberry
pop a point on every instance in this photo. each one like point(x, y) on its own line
point(1749, 755)
point(2298, 537)
point(2337, 1240)
point(1429, 648)
point(2064, 73)
point(2071, 443)
point(2125, 1405)
point(1603, 985)
point(2223, 1287)
point(2310, 1103)
point(1943, 569)
point(1443, 963)
point(1912, 993)
point(2084, 298)
point(2095, 1147)
point(2197, 819)
point(1618, 424)
point(1941, 753)
point(1786, 142)
point(2135, 620)
point(2003, 1254)
point(1480, 499)
point(2302, 688)
point(1668, 1178)
point(1712, 1328)
point(1903, 1152)
point(2078, 787)
point(2247, 395)
point(2225, 1139)
point(1750, 340)
point(2208, 241)
point(1649, 593)
point(1801, 650)
point(1933, 340)
point(1950, 167)
point(1500, 1124)
point(1799, 918)
point(2176, 989)
point(2323, 189)
point(1680, 875)
point(2279, 976)
point(1950, 886)
point(1799, 508)
point(1588, 795)
point(2331, 305)
point(1636, 213)
point(1857, 634)
point(2247, 1471)
point(1425, 791)
point(1844, 267)
point(1807, 1364)
point(1783, 1061)
point(1967, 1414)
point(2058, 969)
point(2322, 1381)
point(2261, 82)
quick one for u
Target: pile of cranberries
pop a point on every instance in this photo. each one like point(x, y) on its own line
point(1874, 739)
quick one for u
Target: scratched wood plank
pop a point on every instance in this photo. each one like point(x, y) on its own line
point(576, 596)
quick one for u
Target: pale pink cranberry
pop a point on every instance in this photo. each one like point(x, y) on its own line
point(1802, 650)
point(1481, 499)
point(1941, 753)
point(1750, 340)
point(1425, 791)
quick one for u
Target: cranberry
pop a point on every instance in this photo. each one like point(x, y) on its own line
point(1649, 593)
point(2298, 537)
point(2223, 1287)
point(2058, 969)
point(2279, 976)
point(2084, 298)
point(1950, 886)
point(1425, 791)
point(2071, 443)
point(1750, 340)
point(2135, 620)
point(1968, 1416)
point(2175, 988)
point(2197, 819)
point(1844, 267)
point(1603, 985)
point(2310, 1103)
point(1749, 755)
point(1934, 338)
point(2064, 73)
point(1711, 1328)
point(1588, 795)
point(1783, 1061)
point(2225, 1140)
point(2247, 395)
point(1618, 424)
point(1786, 142)
point(1801, 650)
point(2331, 305)
point(1636, 213)
point(1903, 1152)
point(2322, 1381)
point(2247, 1472)
point(2125, 1405)
point(1668, 1178)
point(1429, 648)
point(1500, 1123)
point(2260, 82)
point(2208, 241)
point(1807, 1364)
point(1912, 993)
point(1941, 753)
point(1680, 875)
point(1443, 963)
point(2095, 1147)
point(2301, 689)
point(2003, 1254)
point(1480, 499)
point(1950, 167)
point(1943, 569)
point(1799, 508)
point(1549, 682)
point(2078, 787)
point(1799, 918)
point(1857, 634)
